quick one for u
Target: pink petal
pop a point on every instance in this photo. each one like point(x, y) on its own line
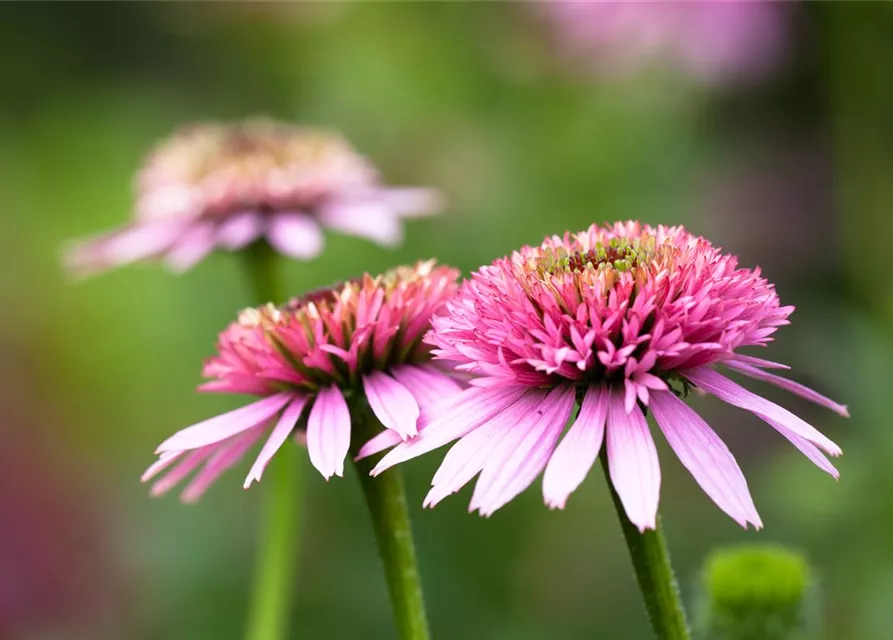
point(137, 242)
point(190, 462)
point(226, 425)
point(328, 432)
point(165, 460)
point(194, 245)
point(372, 220)
point(508, 473)
point(468, 456)
point(788, 385)
point(808, 449)
point(633, 464)
point(296, 235)
point(756, 362)
point(412, 202)
point(427, 384)
point(736, 395)
point(240, 229)
point(575, 455)
point(706, 456)
point(392, 403)
point(277, 439)
point(223, 459)
point(384, 440)
point(464, 412)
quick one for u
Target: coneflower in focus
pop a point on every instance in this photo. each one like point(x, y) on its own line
point(226, 186)
point(622, 320)
point(311, 361)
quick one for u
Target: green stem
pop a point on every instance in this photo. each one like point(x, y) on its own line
point(386, 500)
point(654, 573)
point(277, 552)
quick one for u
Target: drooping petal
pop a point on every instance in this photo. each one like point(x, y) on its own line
point(412, 202)
point(221, 427)
point(277, 439)
point(633, 463)
point(296, 235)
point(577, 451)
point(328, 432)
point(706, 456)
point(194, 245)
point(468, 456)
point(372, 220)
point(136, 242)
point(756, 362)
point(227, 455)
point(190, 462)
point(807, 449)
point(427, 384)
point(385, 440)
point(165, 460)
point(728, 391)
point(392, 403)
point(240, 230)
point(788, 385)
point(464, 412)
point(514, 466)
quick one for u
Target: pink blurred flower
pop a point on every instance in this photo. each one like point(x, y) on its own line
point(226, 186)
point(316, 356)
point(619, 319)
point(711, 41)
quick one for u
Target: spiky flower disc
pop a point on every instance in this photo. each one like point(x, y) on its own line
point(227, 185)
point(619, 319)
point(315, 356)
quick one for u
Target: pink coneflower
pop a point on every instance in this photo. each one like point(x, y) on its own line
point(317, 356)
point(619, 319)
point(710, 41)
point(226, 186)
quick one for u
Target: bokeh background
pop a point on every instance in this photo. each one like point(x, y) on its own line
point(784, 156)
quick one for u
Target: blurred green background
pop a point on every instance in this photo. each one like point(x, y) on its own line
point(794, 173)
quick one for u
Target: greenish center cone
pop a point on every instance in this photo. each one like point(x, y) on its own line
point(756, 592)
point(619, 254)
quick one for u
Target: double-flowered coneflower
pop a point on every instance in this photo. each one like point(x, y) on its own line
point(620, 320)
point(311, 360)
point(225, 186)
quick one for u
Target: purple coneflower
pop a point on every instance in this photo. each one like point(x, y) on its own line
point(315, 356)
point(711, 42)
point(621, 320)
point(226, 186)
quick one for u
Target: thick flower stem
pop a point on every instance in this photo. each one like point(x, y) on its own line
point(386, 500)
point(651, 562)
point(283, 484)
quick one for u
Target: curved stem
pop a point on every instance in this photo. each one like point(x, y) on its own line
point(278, 541)
point(386, 500)
point(654, 573)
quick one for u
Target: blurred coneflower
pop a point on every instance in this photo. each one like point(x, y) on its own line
point(317, 356)
point(621, 319)
point(227, 185)
point(712, 42)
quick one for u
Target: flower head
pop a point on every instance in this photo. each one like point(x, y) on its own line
point(227, 186)
point(710, 41)
point(621, 319)
point(316, 356)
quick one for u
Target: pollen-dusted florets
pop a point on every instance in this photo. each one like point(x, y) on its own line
point(332, 335)
point(628, 304)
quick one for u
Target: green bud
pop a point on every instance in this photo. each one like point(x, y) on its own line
point(756, 592)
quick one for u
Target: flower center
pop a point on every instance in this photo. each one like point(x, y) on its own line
point(618, 254)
